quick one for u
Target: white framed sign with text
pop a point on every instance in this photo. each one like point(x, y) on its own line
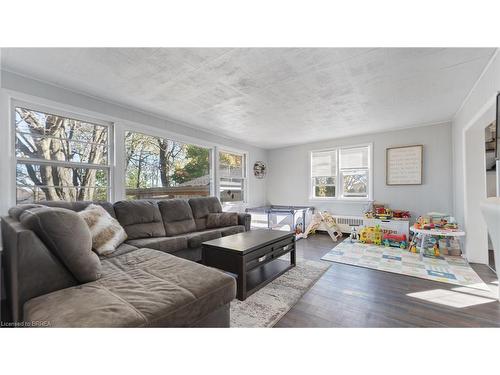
point(404, 165)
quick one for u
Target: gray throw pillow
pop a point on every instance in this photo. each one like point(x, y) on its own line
point(224, 219)
point(67, 235)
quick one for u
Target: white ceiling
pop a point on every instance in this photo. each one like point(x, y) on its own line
point(269, 97)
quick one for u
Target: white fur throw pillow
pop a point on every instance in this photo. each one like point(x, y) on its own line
point(107, 233)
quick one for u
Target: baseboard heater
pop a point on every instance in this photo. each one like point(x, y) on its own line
point(345, 223)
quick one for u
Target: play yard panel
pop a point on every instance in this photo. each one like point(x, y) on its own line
point(290, 218)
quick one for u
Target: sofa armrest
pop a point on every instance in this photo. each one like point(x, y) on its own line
point(31, 269)
point(245, 219)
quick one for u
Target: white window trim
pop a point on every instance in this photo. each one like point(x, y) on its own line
point(338, 192)
point(76, 115)
point(245, 175)
point(11, 98)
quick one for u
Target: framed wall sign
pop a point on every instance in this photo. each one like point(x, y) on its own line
point(404, 165)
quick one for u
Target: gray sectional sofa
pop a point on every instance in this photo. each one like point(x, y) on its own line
point(152, 279)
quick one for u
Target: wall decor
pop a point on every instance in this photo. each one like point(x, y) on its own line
point(404, 165)
point(259, 169)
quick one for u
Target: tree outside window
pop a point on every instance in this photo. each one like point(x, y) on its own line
point(60, 158)
point(161, 168)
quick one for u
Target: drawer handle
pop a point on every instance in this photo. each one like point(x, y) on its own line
point(261, 259)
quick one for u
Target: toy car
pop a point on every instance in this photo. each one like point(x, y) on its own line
point(401, 214)
point(395, 240)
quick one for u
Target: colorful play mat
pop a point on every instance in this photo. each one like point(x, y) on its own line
point(446, 269)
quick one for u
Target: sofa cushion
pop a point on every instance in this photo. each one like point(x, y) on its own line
point(16, 211)
point(80, 205)
point(227, 231)
point(68, 237)
point(195, 239)
point(139, 289)
point(223, 219)
point(107, 233)
point(203, 206)
point(124, 248)
point(189, 254)
point(166, 244)
point(177, 216)
point(140, 218)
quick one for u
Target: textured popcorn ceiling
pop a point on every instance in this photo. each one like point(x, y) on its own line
point(269, 97)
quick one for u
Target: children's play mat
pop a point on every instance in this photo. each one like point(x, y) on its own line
point(446, 269)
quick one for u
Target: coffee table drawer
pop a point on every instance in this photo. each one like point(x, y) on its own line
point(283, 243)
point(259, 252)
point(279, 251)
point(259, 261)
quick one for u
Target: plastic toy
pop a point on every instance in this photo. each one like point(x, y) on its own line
point(423, 222)
point(395, 240)
point(298, 229)
point(401, 214)
point(412, 246)
point(380, 211)
point(371, 235)
point(436, 222)
point(354, 237)
point(449, 246)
point(383, 213)
point(451, 226)
point(437, 217)
point(433, 249)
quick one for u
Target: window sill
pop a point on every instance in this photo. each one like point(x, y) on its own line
point(342, 200)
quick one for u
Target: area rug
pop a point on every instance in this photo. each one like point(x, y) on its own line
point(267, 306)
point(446, 269)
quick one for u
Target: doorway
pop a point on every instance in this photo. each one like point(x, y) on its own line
point(490, 144)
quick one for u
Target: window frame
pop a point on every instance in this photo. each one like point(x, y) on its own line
point(339, 188)
point(74, 115)
point(218, 176)
point(312, 185)
point(170, 137)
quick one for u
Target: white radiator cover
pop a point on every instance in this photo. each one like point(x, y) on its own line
point(345, 223)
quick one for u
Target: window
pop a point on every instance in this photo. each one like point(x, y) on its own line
point(324, 173)
point(231, 174)
point(60, 158)
point(159, 168)
point(342, 173)
point(354, 172)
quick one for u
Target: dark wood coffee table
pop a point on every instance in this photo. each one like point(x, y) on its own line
point(252, 256)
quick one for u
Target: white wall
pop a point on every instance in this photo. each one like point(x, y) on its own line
point(289, 172)
point(469, 174)
point(491, 184)
point(14, 86)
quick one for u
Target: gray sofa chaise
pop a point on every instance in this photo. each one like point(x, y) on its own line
point(152, 279)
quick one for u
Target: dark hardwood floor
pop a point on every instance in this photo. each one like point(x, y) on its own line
point(350, 296)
